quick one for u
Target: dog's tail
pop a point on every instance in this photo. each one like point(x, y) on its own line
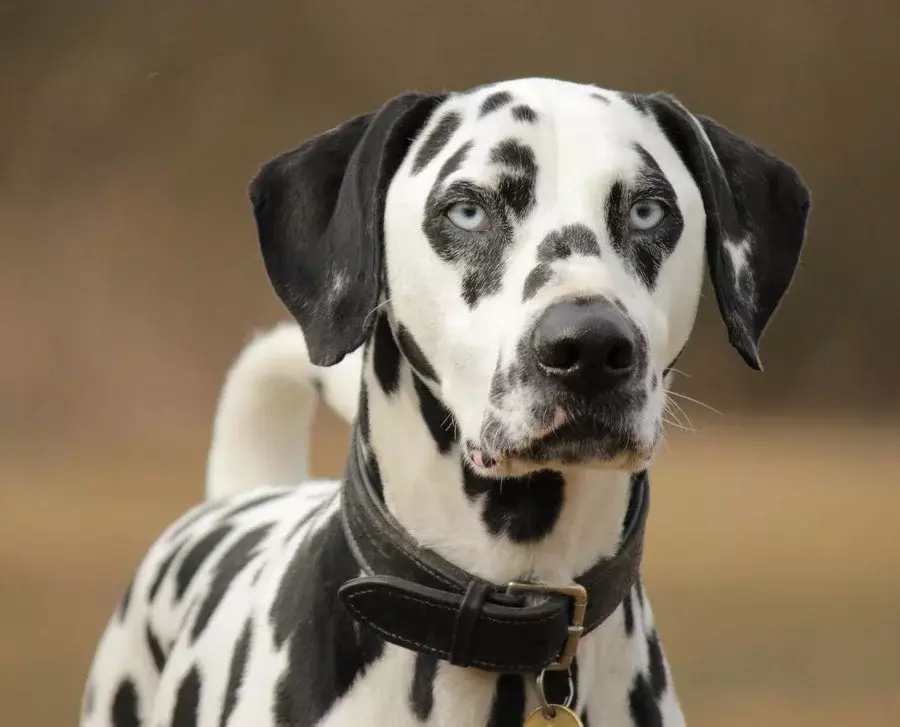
point(261, 433)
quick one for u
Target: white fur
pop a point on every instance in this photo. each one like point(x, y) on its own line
point(263, 421)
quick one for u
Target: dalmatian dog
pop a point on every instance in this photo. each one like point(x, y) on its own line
point(494, 287)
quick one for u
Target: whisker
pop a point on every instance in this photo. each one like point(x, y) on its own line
point(695, 401)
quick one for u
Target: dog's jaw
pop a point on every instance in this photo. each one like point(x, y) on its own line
point(559, 522)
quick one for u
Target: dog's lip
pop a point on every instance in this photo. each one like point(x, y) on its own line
point(565, 439)
point(485, 459)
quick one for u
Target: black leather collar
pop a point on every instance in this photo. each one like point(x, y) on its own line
point(416, 599)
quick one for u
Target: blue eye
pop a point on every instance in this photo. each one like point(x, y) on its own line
point(646, 214)
point(469, 217)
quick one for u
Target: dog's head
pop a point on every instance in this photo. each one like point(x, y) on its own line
point(537, 249)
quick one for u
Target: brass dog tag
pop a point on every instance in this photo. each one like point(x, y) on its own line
point(561, 717)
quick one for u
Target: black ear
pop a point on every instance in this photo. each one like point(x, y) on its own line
point(756, 211)
point(319, 214)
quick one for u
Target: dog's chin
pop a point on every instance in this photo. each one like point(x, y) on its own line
point(574, 445)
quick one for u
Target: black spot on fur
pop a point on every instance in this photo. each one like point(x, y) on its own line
point(187, 700)
point(125, 705)
point(636, 102)
point(657, 665)
point(643, 705)
point(495, 101)
point(559, 244)
point(525, 509)
point(628, 615)
point(615, 203)
point(639, 590)
point(163, 570)
point(456, 160)
point(229, 566)
point(584, 718)
point(437, 417)
point(645, 250)
point(421, 693)
point(436, 140)
point(255, 502)
point(195, 558)
point(307, 517)
point(362, 414)
point(192, 517)
point(508, 707)
point(634, 491)
point(525, 114)
point(416, 357)
point(600, 97)
point(326, 651)
point(539, 276)
point(516, 188)
point(126, 600)
point(386, 357)
point(656, 245)
point(156, 650)
point(236, 672)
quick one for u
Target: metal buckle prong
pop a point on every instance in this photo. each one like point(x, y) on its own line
point(578, 595)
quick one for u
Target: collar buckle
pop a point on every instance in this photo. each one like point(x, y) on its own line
point(579, 597)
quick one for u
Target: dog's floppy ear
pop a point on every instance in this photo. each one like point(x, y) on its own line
point(319, 214)
point(756, 211)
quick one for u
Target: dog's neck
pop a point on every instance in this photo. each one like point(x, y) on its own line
point(550, 526)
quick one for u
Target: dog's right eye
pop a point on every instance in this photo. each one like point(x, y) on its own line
point(469, 217)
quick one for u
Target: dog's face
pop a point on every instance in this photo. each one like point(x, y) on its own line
point(538, 248)
point(544, 249)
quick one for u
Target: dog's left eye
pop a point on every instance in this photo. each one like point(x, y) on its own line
point(469, 217)
point(646, 214)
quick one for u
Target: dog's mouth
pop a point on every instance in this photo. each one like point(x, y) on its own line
point(567, 440)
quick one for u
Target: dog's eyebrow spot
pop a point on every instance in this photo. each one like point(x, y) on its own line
point(600, 97)
point(525, 113)
point(454, 162)
point(525, 509)
point(414, 354)
point(437, 140)
point(575, 239)
point(386, 357)
point(516, 188)
point(515, 155)
point(495, 101)
point(539, 276)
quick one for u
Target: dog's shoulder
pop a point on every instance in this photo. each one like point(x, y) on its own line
point(224, 575)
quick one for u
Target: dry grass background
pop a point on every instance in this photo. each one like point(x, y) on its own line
point(129, 278)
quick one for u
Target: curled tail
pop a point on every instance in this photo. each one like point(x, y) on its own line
point(261, 433)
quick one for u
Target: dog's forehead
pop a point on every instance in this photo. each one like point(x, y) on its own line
point(571, 131)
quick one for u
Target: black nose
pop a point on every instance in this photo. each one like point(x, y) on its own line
point(589, 345)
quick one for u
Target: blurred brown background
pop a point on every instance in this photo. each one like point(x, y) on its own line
point(130, 278)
